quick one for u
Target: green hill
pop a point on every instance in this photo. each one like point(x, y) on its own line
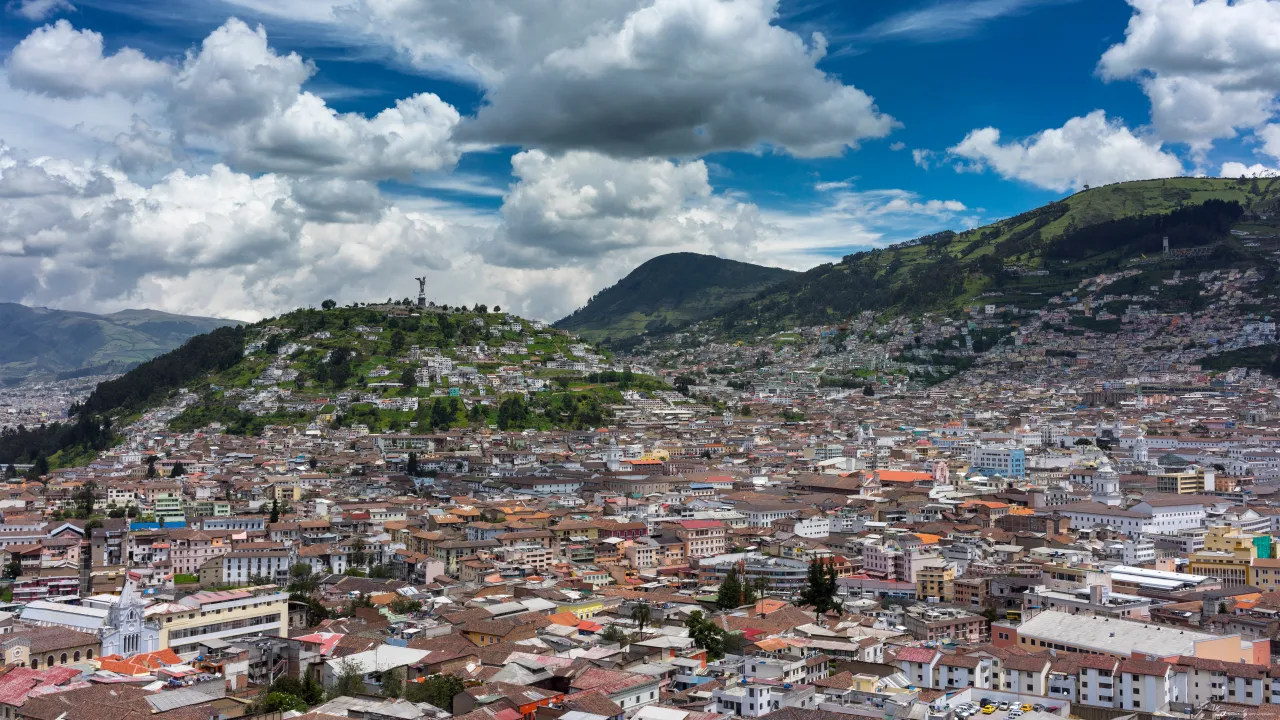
point(40, 342)
point(351, 366)
point(1026, 259)
point(668, 292)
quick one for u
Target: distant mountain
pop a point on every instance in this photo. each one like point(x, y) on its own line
point(40, 342)
point(669, 291)
point(1027, 259)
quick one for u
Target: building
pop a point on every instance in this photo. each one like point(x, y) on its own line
point(1096, 634)
point(936, 581)
point(702, 538)
point(994, 460)
point(932, 623)
point(222, 615)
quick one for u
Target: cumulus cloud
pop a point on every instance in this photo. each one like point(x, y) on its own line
point(1235, 170)
point(1209, 67)
point(668, 77)
point(1089, 150)
point(60, 61)
point(574, 208)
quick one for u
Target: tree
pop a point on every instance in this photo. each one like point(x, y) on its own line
point(312, 690)
point(328, 304)
point(869, 391)
point(350, 679)
point(151, 466)
point(405, 605)
point(358, 556)
point(301, 579)
point(497, 309)
point(412, 467)
point(13, 570)
point(275, 511)
point(512, 413)
point(85, 499)
point(821, 587)
point(393, 683)
point(409, 377)
point(10, 472)
point(642, 614)
point(438, 690)
point(706, 634)
point(730, 594)
point(281, 702)
point(397, 342)
point(613, 634)
point(178, 470)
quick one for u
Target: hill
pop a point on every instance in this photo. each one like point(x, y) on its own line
point(379, 368)
point(668, 292)
point(44, 342)
point(1025, 260)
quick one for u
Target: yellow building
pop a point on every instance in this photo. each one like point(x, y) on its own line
point(936, 582)
point(583, 609)
point(1180, 483)
point(1228, 555)
point(223, 615)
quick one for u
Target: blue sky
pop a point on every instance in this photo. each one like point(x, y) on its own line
point(535, 165)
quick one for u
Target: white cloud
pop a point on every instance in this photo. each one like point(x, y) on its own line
point(575, 208)
point(37, 10)
point(1089, 150)
point(922, 158)
point(1210, 67)
point(666, 77)
point(60, 61)
point(898, 146)
point(1235, 170)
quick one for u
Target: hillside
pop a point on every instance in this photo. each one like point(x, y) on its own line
point(1024, 260)
point(376, 368)
point(45, 342)
point(667, 292)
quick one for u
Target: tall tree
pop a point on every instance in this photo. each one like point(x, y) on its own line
point(275, 510)
point(820, 590)
point(642, 613)
point(178, 470)
point(706, 634)
point(730, 594)
point(412, 467)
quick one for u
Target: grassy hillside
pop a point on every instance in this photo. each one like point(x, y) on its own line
point(44, 342)
point(1023, 259)
point(354, 366)
point(667, 292)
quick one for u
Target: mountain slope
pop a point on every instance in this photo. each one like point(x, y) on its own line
point(668, 291)
point(42, 342)
point(1026, 259)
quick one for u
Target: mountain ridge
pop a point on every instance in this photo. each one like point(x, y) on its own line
point(47, 342)
point(667, 292)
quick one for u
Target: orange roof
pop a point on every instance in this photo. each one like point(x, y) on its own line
point(1021, 511)
point(645, 462)
point(565, 618)
point(928, 539)
point(766, 606)
point(141, 664)
point(983, 503)
point(383, 598)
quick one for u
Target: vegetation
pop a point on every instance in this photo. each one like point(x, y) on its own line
point(64, 344)
point(437, 690)
point(1260, 357)
point(730, 593)
point(820, 590)
point(666, 293)
point(1022, 260)
point(706, 634)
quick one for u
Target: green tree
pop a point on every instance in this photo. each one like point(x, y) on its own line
point(642, 613)
point(10, 472)
point(405, 605)
point(329, 304)
point(438, 690)
point(282, 702)
point(613, 634)
point(151, 466)
point(513, 413)
point(393, 683)
point(178, 470)
point(275, 511)
point(301, 579)
point(412, 466)
point(730, 594)
point(409, 377)
point(312, 690)
point(397, 342)
point(350, 680)
point(358, 555)
point(84, 499)
point(476, 415)
point(13, 570)
point(820, 590)
point(706, 634)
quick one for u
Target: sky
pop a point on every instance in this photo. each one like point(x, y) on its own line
point(241, 158)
